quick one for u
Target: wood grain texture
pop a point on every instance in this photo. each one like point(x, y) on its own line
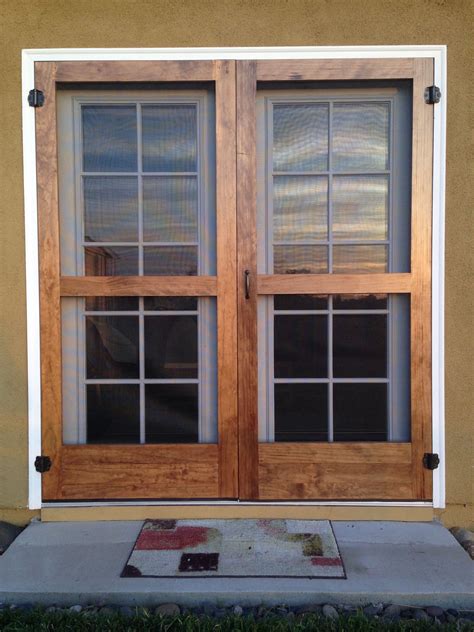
point(337, 69)
point(335, 471)
point(48, 239)
point(133, 71)
point(247, 260)
point(138, 286)
point(420, 310)
point(226, 278)
point(138, 471)
point(333, 283)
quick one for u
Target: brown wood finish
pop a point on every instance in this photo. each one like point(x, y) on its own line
point(333, 283)
point(133, 71)
point(420, 309)
point(333, 69)
point(226, 278)
point(247, 260)
point(48, 237)
point(138, 286)
point(375, 471)
point(335, 471)
point(138, 471)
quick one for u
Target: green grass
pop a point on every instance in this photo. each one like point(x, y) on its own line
point(38, 620)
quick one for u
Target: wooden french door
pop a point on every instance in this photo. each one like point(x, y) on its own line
point(138, 292)
point(334, 226)
point(235, 279)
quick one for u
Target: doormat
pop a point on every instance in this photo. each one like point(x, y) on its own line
point(235, 548)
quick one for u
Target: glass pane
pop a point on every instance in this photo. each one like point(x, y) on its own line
point(113, 413)
point(170, 208)
point(169, 137)
point(360, 345)
point(359, 259)
point(301, 412)
point(170, 260)
point(111, 303)
point(361, 136)
point(300, 259)
point(171, 413)
point(170, 303)
point(110, 208)
point(360, 412)
point(300, 301)
point(111, 260)
point(360, 207)
point(171, 347)
point(109, 137)
point(360, 301)
point(112, 347)
point(300, 208)
point(300, 346)
point(300, 137)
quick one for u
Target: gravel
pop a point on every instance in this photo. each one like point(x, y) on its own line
point(386, 612)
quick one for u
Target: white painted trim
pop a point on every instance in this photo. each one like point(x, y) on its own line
point(29, 56)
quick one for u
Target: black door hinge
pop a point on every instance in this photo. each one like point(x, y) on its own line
point(432, 95)
point(36, 98)
point(431, 461)
point(42, 464)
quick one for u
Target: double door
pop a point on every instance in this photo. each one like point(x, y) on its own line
point(235, 279)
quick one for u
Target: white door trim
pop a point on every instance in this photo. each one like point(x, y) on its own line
point(30, 56)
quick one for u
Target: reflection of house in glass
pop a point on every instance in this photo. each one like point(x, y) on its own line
point(111, 261)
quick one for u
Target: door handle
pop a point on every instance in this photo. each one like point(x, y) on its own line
point(247, 283)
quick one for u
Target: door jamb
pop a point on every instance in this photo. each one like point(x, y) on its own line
point(30, 56)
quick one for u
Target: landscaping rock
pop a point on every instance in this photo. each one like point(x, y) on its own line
point(107, 611)
point(392, 613)
point(330, 612)
point(168, 610)
point(420, 615)
point(373, 609)
point(238, 611)
point(75, 608)
point(126, 611)
point(435, 611)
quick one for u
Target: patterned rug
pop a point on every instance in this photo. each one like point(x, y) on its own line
point(235, 548)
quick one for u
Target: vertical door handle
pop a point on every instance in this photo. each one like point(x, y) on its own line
point(247, 283)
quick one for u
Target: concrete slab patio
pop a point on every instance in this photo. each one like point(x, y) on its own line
point(80, 563)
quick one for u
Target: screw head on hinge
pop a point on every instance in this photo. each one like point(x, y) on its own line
point(36, 98)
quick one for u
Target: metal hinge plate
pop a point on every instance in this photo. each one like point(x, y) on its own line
point(432, 95)
point(431, 460)
point(43, 464)
point(36, 98)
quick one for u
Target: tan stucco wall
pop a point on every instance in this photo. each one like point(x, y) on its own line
point(163, 23)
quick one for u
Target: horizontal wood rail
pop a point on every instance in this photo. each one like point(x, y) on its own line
point(138, 286)
point(340, 69)
point(131, 470)
point(133, 71)
point(334, 283)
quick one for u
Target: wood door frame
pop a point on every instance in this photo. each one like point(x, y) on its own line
point(198, 470)
point(273, 469)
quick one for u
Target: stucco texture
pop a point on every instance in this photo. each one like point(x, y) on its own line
point(160, 23)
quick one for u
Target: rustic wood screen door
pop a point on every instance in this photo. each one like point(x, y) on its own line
point(324, 433)
point(309, 300)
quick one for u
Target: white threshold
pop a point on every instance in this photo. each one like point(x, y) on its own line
point(437, 51)
point(235, 503)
